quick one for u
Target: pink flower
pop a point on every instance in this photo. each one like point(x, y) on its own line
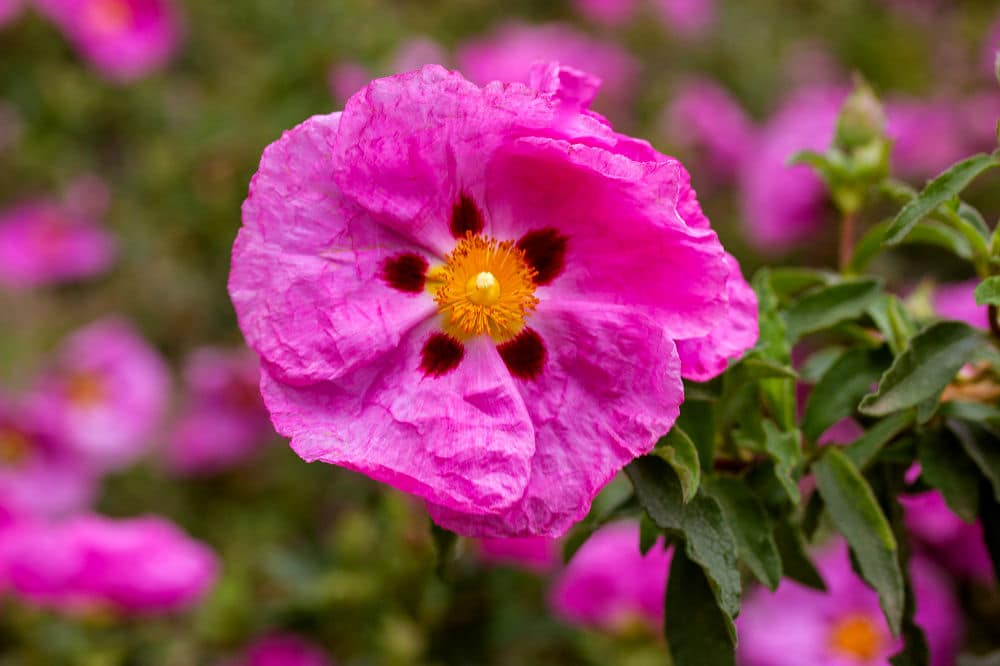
point(609, 584)
point(509, 52)
point(131, 566)
point(954, 543)
point(44, 242)
point(535, 553)
point(346, 78)
point(927, 137)
point(39, 475)
point(223, 420)
point(688, 18)
point(124, 39)
point(415, 53)
point(706, 120)
point(105, 393)
point(607, 12)
point(426, 313)
point(956, 301)
point(843, 627)
point(283, 650)
point(783, 205)
point(9, 10)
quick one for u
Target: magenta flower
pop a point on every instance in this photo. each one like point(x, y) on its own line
point(45, 242)
point(927, 137)
point(415, 53)
point(706, 120)
point(134, 566)
point(428, 315)
point(9, 10)
point(283, 650)
point(610, 585)
point(223, 420)
point(105, 393)
point(346, 78)
point(956, 301)
point(797, 625)
point(535, 553)
point(688, 18)
point(783, 205)
point(955, 544)
point(509, 52)
point(39, 475)
point(607, 12)
point(123, 39)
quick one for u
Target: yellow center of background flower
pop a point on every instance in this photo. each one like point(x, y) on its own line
point(484, 287)
point(14, 447)
point(109, 16)
point(85, 389)
point(857, 636)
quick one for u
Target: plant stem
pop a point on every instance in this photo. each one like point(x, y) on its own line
point(994, 324)
point(847, 224)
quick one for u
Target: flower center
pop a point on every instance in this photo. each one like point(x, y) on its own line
point(109, 17)
point(485, 286)
point(14, 447)
point(857, 636)
point(85, 389)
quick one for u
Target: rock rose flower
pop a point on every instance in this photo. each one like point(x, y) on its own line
point(124, 39)
point(473, 294)
point(282, 650)
point(535, 553)
point(92, 563)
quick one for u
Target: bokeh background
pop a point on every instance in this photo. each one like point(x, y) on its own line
point(149, 146)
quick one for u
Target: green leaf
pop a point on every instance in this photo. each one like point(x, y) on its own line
point(983, 446)
point(944, 187)
point(707, 537)
point(829, 306)
point(991, 659)
point(649, 534)
point(892, 319)
point(698, 632)
point(988, 291)
point(680, 453)
point(924, 368)
point(929, 233)
point(445, 546)
point(946, 467)
point(864, 449)
point(751, 526)
point(795, 562)
point(814, 367)
point(787, 282)
point(839, 390)
point(785, 449)
point(698, 421)
point(754, 368)
point(989, 517)
point(856, 513)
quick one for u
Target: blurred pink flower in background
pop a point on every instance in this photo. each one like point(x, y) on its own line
point(93, 563)
point(347, 78)
point(843, 626)
point(39, 475)
point(609, 584)
point(977, 118)
point(607, 12)
point(105, 392)
point(955, 300)
point(283, 650)
point(938, 531)
point(9, 10)
point(416, 52)
point(687, 18)
point(711, 126)
point(927, 136)
point(509, 51)
point(784, 205)
point(535, 553)
point(123, 39)
point(222, 420)
point(45, 242)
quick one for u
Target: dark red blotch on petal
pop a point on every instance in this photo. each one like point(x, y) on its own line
point(545, 251)
point(406, 272)
point(524, 356)
point(441, 354)
point(465, 217)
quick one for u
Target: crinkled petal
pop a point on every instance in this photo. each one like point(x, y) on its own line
point(463, 439)
point(306, 273)
point(610, 387)
point(705, 357)
point(629, 241)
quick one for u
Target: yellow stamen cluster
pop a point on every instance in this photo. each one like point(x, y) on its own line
point(109, 16)
point(14, 447)
point(857, 636)
point(484, 286)
point(85, 389)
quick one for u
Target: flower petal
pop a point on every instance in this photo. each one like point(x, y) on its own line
point(632, 238)
point(609, 389)
point(463, 439)
point(705, 357)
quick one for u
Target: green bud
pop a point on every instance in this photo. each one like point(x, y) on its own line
point(861, 119)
